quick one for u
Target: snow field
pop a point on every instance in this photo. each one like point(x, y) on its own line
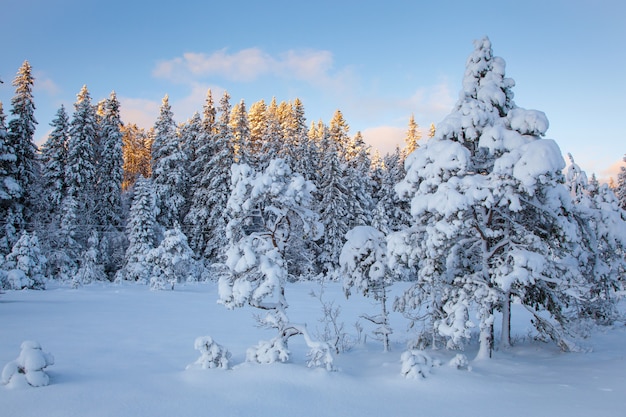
point(122, 350)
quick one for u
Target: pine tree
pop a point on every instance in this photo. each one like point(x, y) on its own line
point(620, 189)
point(219, 179)
point(110, 167)
point(240, 128)
point(54, 160)
point(169, 174)
point(80, 169)
point(256, 253)
point(142, 232)
point(197, 225)
point(490, 219)
point(23, 169)
point(413, 136)
point(136, 150)
point(333, 206)
point(25, 264)
point(10, 190)
point(432, 131)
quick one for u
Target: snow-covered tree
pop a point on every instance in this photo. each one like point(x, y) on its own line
point(54, 159)
point(172, 261)
point(10, 189)
point(603, 245)
point(621, 186)
point(28, 368)
point(110, 167)
point(196, 219)
point(240, 128)
point(218, 179)
point(90, 268)
point(413, 135)
point(169, 174)
point(25, 264)
point(363, 263)
point(19, 152)
point(491, 217)
point(267, 209)
point(143, 233)
point(80, 169)
point(136, 149)
point(333, 206)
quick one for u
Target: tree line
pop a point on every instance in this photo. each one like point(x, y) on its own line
point(482, 214)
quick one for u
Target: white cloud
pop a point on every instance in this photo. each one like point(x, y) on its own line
point(246, 65)
point(384, 138)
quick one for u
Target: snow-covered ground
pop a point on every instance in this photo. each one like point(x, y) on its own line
point(122, 350)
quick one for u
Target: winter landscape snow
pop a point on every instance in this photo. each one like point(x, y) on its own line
point(121, 350)
point(244, 265)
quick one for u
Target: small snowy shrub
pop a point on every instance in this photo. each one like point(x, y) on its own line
point(320, 356)
point(28, 368)
point(212, 354)
point(267, 352)
point(460, 362)
point(416, 364)
point(25, 264)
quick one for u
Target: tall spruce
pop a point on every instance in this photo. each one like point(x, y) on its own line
point(23, 169)
point(80, 169)
point(197, 225)
point(169, 173)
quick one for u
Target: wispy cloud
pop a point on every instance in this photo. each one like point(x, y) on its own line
point(247, 65)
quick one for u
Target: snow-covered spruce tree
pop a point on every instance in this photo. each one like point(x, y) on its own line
point(603, 245)
point(25, 264)
point(413, 135)
point(10, 189)
point(197, 218)
point(80, 171)
point(169, 174)
point(492, 219)
point(28, 368)
point(109, 173)
point(621, 186)
point(22, 165)
point(172, 261)
point(53, 160)
point(240, 128)
point(143, 232)
point(268, 208)
point(91, 268)
point(363, 263)
point(390, 213)
point(136, 148)
point(332, 207)
point(218, 177)
point(110, 166)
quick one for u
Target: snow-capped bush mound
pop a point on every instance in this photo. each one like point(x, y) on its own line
point(212, 354)
point(271, 351)
point(28, 368)
point(460, 362)
point(416, 364)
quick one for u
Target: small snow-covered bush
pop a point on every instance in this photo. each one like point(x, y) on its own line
point(25, 264)
point(416, 364)
point(320, 356)
point(460, 362)
point(28, 368)
point(271, 351)
point(212, 354)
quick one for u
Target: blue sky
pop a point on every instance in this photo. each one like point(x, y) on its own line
point(376, 61)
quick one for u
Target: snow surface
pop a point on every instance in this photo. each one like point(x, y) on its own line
point(122, 350)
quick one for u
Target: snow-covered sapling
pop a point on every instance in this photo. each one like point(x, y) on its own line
point(267, 209)
point(363, 260)
point(212, 354)
point(28, 368)
point(416, 364)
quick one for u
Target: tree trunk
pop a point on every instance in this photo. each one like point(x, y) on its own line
point(505, 339)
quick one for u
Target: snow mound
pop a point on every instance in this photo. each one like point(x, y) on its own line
point(212, 354)
point(28, 368)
